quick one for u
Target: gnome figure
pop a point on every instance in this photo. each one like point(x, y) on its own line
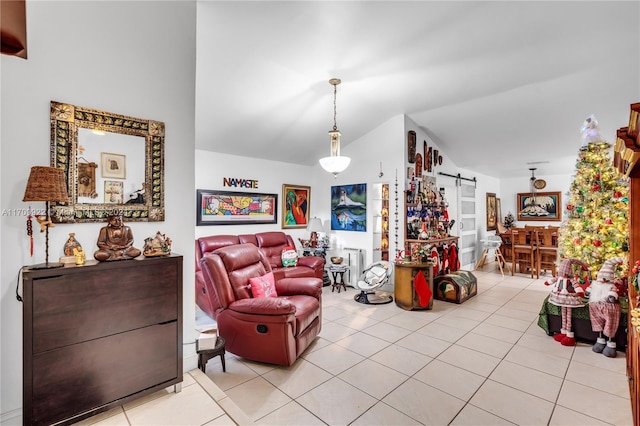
point(604, 307)
point(567, 293)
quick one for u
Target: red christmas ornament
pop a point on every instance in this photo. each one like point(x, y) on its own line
point(569, 207)
point(596, 187)
point(597, 243)
point(576, 241)
point(598, 176)
point(608, 221)
point(617, 194)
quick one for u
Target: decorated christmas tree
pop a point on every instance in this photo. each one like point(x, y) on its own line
point(596, 226)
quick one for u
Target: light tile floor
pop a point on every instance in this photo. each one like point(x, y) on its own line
point(484, 362)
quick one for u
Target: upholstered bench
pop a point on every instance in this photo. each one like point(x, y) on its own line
point(455, 287)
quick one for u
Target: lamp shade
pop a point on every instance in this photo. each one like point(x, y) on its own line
point(46, 184)
point(315, 225)
point(335, 165)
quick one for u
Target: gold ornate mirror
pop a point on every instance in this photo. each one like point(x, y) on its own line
point(113, 164)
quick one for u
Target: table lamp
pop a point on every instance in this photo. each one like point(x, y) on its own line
point(314, 226)
point(46, 184)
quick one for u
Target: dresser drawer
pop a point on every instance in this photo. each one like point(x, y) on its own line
point(73, 308)
point(91, 374)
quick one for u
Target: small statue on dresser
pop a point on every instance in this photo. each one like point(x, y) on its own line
point(115, 241)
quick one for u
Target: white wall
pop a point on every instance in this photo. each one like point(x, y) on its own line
point(212, 167)
point(366, 154)
point(130, 58)
point(386, 143)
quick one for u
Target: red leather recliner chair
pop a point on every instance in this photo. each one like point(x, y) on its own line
point(274, 330)
point(272, 243)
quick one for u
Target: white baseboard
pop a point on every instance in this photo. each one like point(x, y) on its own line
point(189, 357)
point(11, 418)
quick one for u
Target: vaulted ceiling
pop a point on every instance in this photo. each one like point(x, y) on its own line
point(497, 85)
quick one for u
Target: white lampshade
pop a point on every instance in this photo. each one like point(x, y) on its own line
point(315, 225)
point(335, 165)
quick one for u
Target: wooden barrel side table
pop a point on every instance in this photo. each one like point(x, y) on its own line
point(406, 295)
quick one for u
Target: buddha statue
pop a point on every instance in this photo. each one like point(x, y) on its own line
point(115, 241)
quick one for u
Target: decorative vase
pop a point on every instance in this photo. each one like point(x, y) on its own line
point(71, 244)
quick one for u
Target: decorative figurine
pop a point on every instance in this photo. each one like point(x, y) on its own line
point(604, 307)
point(115, 241)
point(80, 255)
point(160, 245)
point(567, 293)
point(71, 244)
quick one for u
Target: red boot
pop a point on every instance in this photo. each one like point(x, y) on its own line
point(560, 336)
point(568, 340)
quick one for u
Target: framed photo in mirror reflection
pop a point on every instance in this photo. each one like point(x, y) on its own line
point(113, 165)
point(113, 192)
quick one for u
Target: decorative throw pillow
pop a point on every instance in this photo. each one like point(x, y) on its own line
point(289, 256)
point(264, 286)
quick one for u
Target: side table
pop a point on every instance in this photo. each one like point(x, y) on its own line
point(337, 271)
point(205, 355)
point(414, 285)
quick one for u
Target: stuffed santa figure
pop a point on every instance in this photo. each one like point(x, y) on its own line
point(568, 292)
point(604, 307)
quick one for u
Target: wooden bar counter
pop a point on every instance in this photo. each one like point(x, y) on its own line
point(405, 279)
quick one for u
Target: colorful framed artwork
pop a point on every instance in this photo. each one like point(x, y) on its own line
point(349, 207)
point(543, 206)
point(113, 166)
point(235, 208)
point(492, 212)
point(296, 200)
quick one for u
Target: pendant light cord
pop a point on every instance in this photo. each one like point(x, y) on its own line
point(335, 91)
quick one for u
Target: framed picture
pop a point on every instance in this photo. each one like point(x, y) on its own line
point(235, 208)
point(544, 206)
point(113, 192)
point(113, 165)
point(296, 200)
point(87, 180)
point(492, 212)
point(349, 207)
point(498, 211)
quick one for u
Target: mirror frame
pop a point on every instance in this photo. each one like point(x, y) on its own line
point(66, 119)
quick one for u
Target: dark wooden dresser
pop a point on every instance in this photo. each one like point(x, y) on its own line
point(99, 335)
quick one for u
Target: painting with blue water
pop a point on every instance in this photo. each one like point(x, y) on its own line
point(349, 207)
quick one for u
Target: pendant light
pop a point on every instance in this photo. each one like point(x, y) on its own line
point(335, 163)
